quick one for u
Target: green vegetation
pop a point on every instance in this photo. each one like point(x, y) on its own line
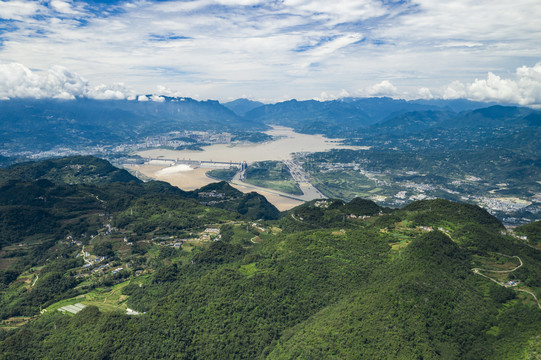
point(329, 279)
point(532, 231)
point(223, 174)
point(224, 196)
point(69, 170)
point(272, 175)
point(255, 137)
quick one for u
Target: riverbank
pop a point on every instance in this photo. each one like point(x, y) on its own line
point(286, 144)
point(197, 178)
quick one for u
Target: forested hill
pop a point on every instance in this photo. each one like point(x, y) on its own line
point(329, 279)
point(39, 125)
point(68, 170)
point(373, 121)
point(338, 118)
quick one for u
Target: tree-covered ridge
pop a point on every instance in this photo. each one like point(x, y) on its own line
point(330, 279)
point(224, 196)
point(439, 211)
point(329, 213)
point(425, 304)
point(68, 170)
point(532, 231)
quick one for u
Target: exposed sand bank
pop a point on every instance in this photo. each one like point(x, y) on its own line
point(186, 179)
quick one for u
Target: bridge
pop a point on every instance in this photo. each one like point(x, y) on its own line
point(310, 192)
point(199, 163)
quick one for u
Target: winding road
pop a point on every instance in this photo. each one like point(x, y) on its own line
point(478, 272)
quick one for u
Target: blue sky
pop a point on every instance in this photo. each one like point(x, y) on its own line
point(272, 50)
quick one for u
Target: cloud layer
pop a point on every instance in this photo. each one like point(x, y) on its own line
point(274, 49)
point(18, 81)
point(525, 89)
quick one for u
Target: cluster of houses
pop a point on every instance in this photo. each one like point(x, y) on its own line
point(176, 139)
point(209, 234)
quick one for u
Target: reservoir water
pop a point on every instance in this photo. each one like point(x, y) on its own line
point(280, 149)
point(186, 178)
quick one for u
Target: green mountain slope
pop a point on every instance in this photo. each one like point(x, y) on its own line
point(224, 196)
point(424, 305)
point(69, 170)
point(329, 280)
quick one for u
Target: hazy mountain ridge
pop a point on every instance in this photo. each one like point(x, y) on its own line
point(242, 106)
point(340, 117)
point(27, 124)
point(40, 125)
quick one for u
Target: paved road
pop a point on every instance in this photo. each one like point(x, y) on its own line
point(478, 272)
point(309, 191)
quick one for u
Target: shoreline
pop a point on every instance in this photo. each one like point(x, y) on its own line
point(197, 178)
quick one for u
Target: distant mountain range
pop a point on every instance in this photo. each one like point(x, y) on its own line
point(351, 117)
point(36, 125)
point(350, 113)
point(39, 125)
point(491, 117)
point(242, 106)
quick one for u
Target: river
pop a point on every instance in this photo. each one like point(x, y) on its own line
point(287, 143)
point(281, 149)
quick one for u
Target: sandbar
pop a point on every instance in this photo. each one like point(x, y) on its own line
point(197, 178)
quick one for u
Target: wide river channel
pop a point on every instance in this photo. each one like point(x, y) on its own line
point(287, 143)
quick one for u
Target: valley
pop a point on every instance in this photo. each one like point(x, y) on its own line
point(270, 180)
point(324, 168)
point(315, 238)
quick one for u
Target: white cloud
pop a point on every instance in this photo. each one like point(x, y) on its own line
point(18, 81)
point(384, 88)
point(157, 98)
point(337, 11)
point(142, 98)
point(336, 44)
point(64, 7)
point(494, 87)
point(524, 90)
point(114, 92)
point(264, 49)
point(239, 2)
point(325, 96)
point(424, 93)
point(529, 81)
point(455, 90)
point(18, 10)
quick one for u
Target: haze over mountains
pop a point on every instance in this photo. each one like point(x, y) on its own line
point(445, 142)
point(38, 125)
